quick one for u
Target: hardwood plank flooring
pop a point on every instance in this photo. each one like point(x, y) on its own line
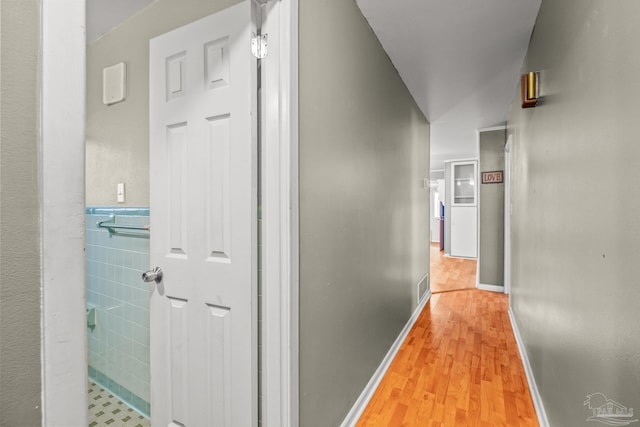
point(459, 366)
point(450, 274)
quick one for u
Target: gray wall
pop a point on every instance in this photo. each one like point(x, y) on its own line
point(437, 175)
point(118, 135)
point(576, 290)
point(364, 151)
point(491, 268)
point(19, 215)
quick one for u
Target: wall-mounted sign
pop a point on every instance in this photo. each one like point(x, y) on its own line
point(493, 177)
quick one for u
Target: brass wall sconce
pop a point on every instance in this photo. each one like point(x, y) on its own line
point(529, 89)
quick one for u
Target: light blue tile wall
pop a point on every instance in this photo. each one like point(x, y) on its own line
point(119, 343)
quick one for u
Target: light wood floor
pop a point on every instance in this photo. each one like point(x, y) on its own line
point(459, 366)
point(449, 274)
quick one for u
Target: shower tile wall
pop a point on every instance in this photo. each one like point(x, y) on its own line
point(119, 342)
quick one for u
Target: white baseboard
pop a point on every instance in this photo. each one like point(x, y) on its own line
point(492, 288)
point(363, 400)
point(533, 388)
point(459, 257)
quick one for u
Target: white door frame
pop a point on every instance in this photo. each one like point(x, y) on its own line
point(62, 109)
point(280, 278)
point(507, 215)
point(62, 213)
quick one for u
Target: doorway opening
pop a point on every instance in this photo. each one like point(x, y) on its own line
point(447, 272)
point(64, 350)
point(189, 212)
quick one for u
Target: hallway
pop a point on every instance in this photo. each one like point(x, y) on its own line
point(459, 366)
point(519, 117)
point(449, 274)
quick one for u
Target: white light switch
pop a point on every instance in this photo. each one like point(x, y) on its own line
point(114, 83)
point(120, 192)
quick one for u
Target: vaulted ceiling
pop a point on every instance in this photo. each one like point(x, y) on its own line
point(460, 59)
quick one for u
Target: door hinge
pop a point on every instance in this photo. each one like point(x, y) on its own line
point(259, 46)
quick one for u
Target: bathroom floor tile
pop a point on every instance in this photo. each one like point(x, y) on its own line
point(105, 409)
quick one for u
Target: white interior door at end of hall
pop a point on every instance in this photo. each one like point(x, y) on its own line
point(203, 217)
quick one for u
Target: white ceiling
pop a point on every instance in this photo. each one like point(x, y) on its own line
point(460, 59)
point(105, 15)
point(452, 144)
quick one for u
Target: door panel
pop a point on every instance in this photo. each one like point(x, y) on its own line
point(218, 202)
point(464, 232)
point(203, 217)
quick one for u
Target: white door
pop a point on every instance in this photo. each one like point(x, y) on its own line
point(203, 222)
point(464, 209)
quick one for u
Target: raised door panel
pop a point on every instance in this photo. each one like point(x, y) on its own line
point(464, 232)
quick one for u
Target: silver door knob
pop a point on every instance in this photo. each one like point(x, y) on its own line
point(154, 275)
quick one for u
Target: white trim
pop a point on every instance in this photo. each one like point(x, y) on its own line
point(363, 400)
point(279, 216)
point(291, 94)
point(62, 213)
point(507, 214)
point(492, 128)
point(478, 186)
point(533, 388)
point(464, 159)
point(492, 288)
point(458, 257)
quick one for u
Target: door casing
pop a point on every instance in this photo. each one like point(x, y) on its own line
point(280, 219)
point(507, 216)
point(62, 212)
